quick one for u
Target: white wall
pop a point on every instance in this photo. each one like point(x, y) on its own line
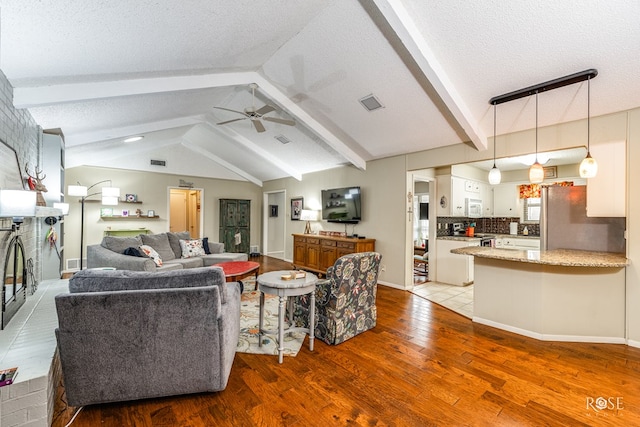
point(152, 190)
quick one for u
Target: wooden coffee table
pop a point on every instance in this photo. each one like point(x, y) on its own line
point(235, 271)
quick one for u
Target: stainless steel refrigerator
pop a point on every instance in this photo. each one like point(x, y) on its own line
point(564, 223)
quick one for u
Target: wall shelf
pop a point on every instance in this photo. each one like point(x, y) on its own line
point(126, 218)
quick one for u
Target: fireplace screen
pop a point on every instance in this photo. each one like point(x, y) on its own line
point(14, 291)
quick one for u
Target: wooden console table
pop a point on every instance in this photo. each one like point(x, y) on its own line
point(317, 253)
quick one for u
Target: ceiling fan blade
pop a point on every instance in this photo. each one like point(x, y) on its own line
point(266, 109)
point(281, 121)
point(233, 111)
point(230, 121)
point(258, 125)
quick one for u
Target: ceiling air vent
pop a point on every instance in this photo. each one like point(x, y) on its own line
point(158, 162)
point(283, 139)
point(371, 103)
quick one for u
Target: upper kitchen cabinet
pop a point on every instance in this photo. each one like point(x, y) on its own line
point(506, 201)
point(453, 192)
point(606, 191)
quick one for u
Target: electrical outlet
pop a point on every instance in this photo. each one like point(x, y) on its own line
point(383, 267)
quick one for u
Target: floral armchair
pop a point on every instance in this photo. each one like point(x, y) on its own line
point(345, 300)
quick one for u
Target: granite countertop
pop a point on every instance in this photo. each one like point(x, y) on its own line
point(479, 236)
point(562, 257)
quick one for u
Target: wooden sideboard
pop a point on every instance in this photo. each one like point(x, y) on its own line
point(317, 253)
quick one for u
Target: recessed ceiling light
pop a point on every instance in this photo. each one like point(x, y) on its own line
point(371, 103)
point(134, 139)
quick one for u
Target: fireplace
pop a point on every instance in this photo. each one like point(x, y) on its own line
point(14, 289)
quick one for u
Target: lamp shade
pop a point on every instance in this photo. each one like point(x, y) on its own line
point(588, 167)
point(77, 190)
point(495, 176)
point(17, 203)
point(110, 192)
point(536, 173)
point(109, 200)
point(64, 207)
point(308, 215)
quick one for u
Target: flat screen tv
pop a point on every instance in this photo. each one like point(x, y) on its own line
point(342, 205)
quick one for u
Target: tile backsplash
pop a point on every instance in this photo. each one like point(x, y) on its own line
point(485, 225)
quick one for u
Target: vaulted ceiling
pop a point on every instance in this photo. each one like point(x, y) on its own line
point(106, 70)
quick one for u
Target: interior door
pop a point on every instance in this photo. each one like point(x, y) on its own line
point(178, 210)
point(185, 213)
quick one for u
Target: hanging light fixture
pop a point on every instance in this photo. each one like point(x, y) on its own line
point(589, 166)
point(536, 171)
point(494, 174)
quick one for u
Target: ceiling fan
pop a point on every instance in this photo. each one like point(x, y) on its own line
point(256, 116)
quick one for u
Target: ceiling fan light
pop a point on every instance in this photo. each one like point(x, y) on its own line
point(536, 173)
point(588, 167)
point(495, 176)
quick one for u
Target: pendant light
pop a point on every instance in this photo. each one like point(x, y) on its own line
point(536, 172)
point(589, 166)
point(494, 174)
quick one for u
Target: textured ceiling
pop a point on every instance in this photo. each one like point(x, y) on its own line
point(104, 70)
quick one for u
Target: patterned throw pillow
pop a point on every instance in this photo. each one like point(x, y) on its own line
point(191, 248)
point(151, 253)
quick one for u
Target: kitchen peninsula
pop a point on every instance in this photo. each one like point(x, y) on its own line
point(555, 295)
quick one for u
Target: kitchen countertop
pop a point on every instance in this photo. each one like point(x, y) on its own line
point(561, 257)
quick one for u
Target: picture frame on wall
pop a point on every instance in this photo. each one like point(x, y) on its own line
point(296, 208)
point(151, 213)
point(125, 212)
point(106, 212)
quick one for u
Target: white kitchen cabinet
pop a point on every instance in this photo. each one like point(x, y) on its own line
point(451, 268)
point(486, 191)
point(519, 243)
point(506, 201)
point(606, 191)
point(451, 195)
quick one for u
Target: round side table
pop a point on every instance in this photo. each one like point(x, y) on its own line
point(272, 283)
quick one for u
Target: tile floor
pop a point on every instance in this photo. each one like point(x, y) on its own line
point(455, 298)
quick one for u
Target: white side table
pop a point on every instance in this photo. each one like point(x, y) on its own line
point(273, 284)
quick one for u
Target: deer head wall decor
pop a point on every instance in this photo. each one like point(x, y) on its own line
point(35, 183)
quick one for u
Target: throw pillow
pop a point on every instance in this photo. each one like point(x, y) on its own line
point(191, 248)
point(174, 241)
point(151, 253)
point(205, 245)
point(132, 252)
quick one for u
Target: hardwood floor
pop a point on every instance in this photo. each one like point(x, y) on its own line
point(421, 365)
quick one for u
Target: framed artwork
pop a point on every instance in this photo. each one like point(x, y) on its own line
point(151, 213)
point(131, 198)
point(125, 212)
point(296, 208)
point(550, 172)
point(273, 210)
point(106, 212)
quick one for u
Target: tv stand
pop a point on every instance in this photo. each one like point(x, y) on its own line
point(317, 252)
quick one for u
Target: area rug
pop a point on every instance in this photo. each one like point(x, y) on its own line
point(249, 310)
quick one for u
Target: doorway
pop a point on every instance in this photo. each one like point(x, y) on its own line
point(274, 232)
point(420, 238)
point(185, 210)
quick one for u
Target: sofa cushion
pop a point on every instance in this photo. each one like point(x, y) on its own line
point(159, 242)
point(174, 241)
point(191, 248)
point(151, 253)
point(123, 280)
point(186, 262)
point(119, 244)
point(216, 247)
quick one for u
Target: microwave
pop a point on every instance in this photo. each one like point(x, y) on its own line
point(473, 208)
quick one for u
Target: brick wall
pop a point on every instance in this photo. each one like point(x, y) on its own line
point(29, 401)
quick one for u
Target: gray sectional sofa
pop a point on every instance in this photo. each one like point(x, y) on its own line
point(111, 253)
point(127, 335)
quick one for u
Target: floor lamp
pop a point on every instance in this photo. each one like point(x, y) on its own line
point(110, 196)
